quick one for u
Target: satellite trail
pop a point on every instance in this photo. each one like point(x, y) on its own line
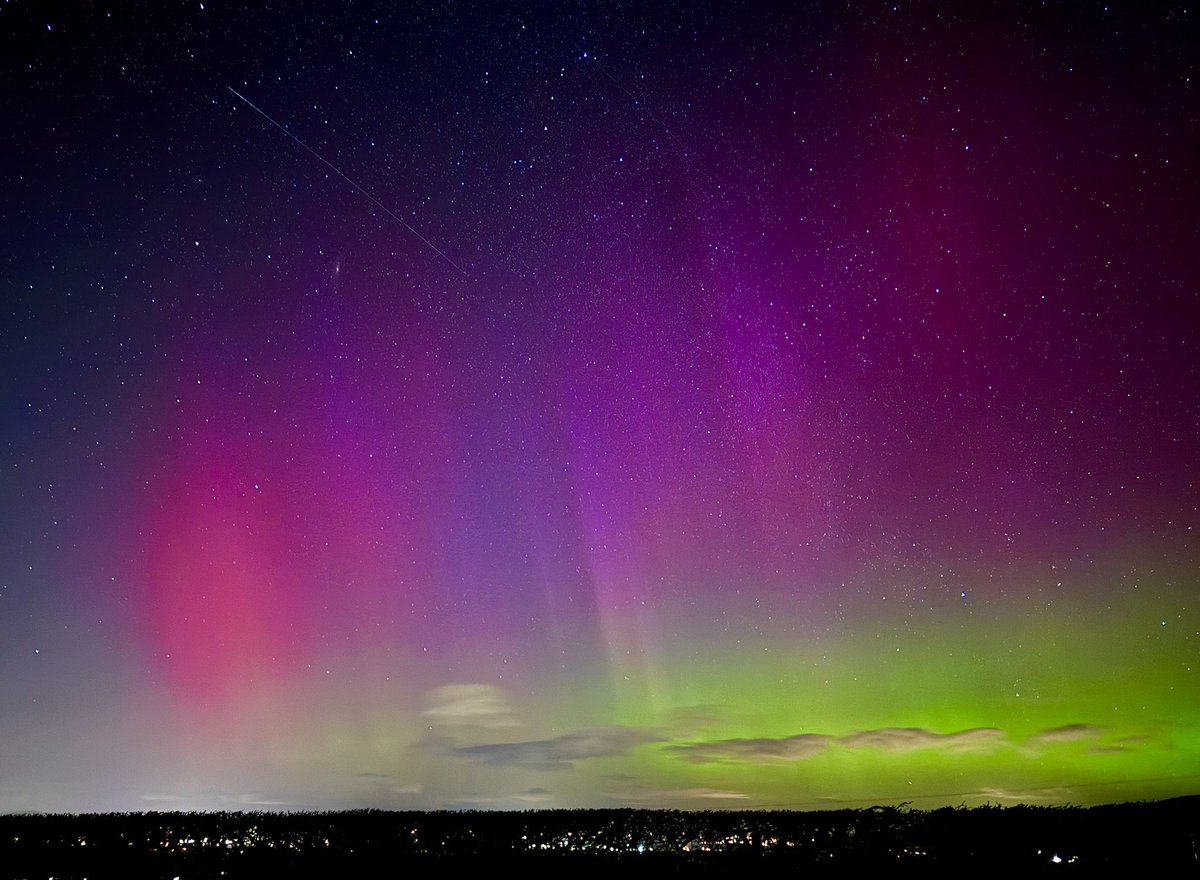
point(338, 171)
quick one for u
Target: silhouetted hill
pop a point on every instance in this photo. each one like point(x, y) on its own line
point(199, 845)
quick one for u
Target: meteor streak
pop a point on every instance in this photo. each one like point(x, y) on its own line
point(340, 174)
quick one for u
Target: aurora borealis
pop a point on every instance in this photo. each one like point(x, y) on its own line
point(598, 404)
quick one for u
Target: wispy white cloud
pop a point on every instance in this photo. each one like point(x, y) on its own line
point(675, 796)
point(807, 745)
point(521, 800)
point(692, 721)
point(559, 753)
point(789, 748)
point(391, 783)
point(254, 799)
point(217, 799)
point(898, 740)
point(470, 705)
point(1026, 796)
point(908, 739)
point(1136, 740)
point(1068, 733)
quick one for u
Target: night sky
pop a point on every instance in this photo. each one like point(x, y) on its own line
point(598, 404)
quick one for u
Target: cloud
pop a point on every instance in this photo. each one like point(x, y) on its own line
point(807, 745)
point(1099, 740)
point(1136, 740)
point(535, 796)
point(691, 721)
point(670, 797)
point(895, 740)
point(534, 755)
point(557, 754)
point(209, 799)
point(908, 739)
point(1026, 795)
point(521, 800)
point(791, 748)
point(599, 742)
point(1066, 734)
point(253, 799)
point(390, 783)
point(470, 705)
point(712, 794)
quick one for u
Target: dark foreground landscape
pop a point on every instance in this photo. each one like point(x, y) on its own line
point(643, 842)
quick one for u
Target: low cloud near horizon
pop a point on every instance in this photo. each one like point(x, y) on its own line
point(894, 740)
point(560, 752)
point(470, 705)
